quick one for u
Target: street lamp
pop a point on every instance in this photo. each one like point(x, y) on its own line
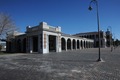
point(110, 34)
point(90, 8)
point(114, 39)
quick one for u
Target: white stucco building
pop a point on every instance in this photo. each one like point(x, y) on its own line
point(95, 37)
point(44, 38)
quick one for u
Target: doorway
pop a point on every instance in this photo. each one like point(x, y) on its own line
point(35, 43)
point(52, 43)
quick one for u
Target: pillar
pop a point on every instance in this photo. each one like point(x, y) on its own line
point(31, 45)
point(71, 45)
point(39, 43)
point(65, 45)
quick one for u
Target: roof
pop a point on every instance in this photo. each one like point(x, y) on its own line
point(95, 32)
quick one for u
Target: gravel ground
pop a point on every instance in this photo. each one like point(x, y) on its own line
point(70, 65)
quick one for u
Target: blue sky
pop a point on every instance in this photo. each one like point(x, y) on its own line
point(72, 16)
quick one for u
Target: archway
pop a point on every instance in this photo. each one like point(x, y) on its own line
point(81, 44)
point(63, 44)
point(78, 44)
point(84, 45)
point(68, 44)
point(74, 44)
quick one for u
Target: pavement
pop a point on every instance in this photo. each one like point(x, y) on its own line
point(70, 65)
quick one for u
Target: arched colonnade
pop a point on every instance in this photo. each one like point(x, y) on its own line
point(68, 43)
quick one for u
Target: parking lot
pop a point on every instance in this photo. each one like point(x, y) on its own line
point(70, 65)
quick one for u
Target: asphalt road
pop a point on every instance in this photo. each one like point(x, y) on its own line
point(70, 65)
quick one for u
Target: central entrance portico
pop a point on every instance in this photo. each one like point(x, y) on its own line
point(50, 39)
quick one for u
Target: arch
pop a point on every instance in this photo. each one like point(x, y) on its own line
point(84, 45)
point(68, 44)
point(97, 43)
point(74, 44)
point(87, 36)
point(78, 44)
point(63, 44)
point(81, 44)
point(93, 37)
point(89, 44)
point(93, 44)
point(90, 36)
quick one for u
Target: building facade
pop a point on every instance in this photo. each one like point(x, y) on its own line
point(44, 38)
point(105, 38)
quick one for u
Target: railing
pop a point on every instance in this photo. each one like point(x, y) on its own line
point(52, 28)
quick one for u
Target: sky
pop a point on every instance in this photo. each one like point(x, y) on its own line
point(72, 16)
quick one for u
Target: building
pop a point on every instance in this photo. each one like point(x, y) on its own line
point(44, 38)
point(95, 37)
point(105, 38)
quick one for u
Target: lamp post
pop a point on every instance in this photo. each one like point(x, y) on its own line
point(110, 34)
point(90, 8)
point(113, 39)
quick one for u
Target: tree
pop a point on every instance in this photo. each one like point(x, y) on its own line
point(117, 42)
point(6, 25)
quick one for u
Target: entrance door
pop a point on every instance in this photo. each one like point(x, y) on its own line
point(52, 43)
point(35, 43)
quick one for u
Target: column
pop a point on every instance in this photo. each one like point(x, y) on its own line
point(31, 44)
point(39, 43)
point(75, 44)
point(60, 47)
point(65, 45)
point(27, 44)
point(57, 43)
point(71, 44)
